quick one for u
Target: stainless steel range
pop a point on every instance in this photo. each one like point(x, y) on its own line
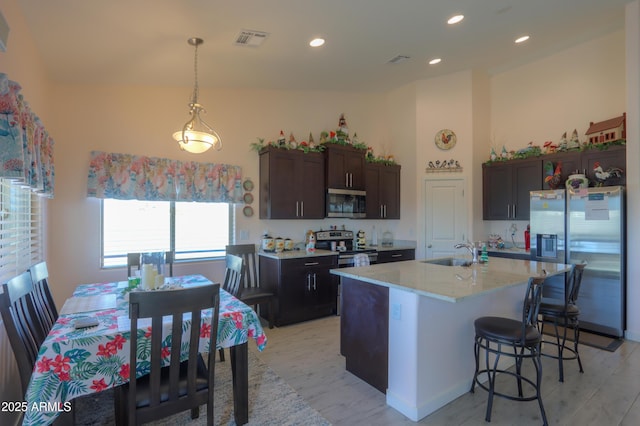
point(341, 241)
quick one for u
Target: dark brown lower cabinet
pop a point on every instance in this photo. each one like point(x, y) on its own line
point(304, 287)
point(364, 331)
point(386, 256)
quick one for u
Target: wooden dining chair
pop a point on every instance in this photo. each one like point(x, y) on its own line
point(43, 300)
point(22, 324)
point(233, 278)
point(179, 386)
point(251, 292)
point(159, 258)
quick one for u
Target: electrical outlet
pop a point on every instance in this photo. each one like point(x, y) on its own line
point(396, 311)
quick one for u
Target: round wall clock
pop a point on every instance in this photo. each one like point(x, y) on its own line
point(445, 139)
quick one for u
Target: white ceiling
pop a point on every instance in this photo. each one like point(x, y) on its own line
point(145, 41)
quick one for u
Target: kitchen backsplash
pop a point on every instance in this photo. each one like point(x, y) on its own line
point(504, 229)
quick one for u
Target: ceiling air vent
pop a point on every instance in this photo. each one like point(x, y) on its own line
point(251, 38)
point(398, 59)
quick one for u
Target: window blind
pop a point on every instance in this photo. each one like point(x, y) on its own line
point(21, 229)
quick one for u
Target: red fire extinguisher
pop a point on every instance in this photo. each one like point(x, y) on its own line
point(527, 238)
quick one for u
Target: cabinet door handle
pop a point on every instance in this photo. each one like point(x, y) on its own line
point(385, 211)
point(314, 281)
point(346, 180)
point(311, 263)
point(350, 180)
point(396, 255)
point(508, 211)
point(301, 208)
point(514, 211)
point(297, 210)
point(308, 282)
point(381, 211)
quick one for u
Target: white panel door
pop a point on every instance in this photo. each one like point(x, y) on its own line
point(446, 216)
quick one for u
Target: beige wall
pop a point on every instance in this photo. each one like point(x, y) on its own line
point(543, 99)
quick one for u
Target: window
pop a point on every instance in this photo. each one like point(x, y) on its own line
point(21, 229)
point(194, 231)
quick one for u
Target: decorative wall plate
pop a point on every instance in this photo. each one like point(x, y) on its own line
point(248, 185)
point(248, 198)
point(445, 139)
point(247, 211)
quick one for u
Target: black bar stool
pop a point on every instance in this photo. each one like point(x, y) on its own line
point(564, 314)
point(508, 337)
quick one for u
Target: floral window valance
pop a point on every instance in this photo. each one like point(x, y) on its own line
point(26, 149)
point(133, 177)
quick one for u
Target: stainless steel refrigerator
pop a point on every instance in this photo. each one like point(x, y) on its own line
point(572, 226)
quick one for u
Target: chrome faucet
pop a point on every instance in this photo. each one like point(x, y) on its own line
point(472, 249)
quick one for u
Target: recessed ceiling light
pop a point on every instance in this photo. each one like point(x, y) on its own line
point(435, 61)
point(316, 42)
point(455, 19)
point(522, 39)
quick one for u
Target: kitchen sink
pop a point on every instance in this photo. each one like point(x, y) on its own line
point(449, 261)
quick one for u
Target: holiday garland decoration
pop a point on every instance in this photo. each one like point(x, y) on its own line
point(338, 137)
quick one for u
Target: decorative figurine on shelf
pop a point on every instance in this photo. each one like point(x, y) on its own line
point(553, 178)
point(574, 142)
point(324, 136)
point(342, 125)
point(603, 177)
point(549, 147)
point(312, 144)
point(292, 141)
point(504, 154)
point(370, 156)
point(493, 154)
point(282, 141)
point(310, 242)
point(564, 143)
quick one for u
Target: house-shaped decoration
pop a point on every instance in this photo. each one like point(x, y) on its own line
point(608, 130)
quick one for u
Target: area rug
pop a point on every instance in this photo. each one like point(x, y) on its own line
point(606, 343)
point(271, 402)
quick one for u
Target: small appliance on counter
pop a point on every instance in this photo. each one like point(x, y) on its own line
point(268, 243)
point(361, 240)
point(387, 239)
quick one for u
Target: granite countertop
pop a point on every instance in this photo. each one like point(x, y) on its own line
point(296, 254)
point(451, 283)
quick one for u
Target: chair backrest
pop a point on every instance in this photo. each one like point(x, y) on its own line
point(250, 258)
point(174, 303)
point(575, 280)
point(43, 300)
point(159, 258)
point(532, 299)
point(24, 330)
point(233, 276)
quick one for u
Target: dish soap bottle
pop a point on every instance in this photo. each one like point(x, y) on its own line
point(484, 256)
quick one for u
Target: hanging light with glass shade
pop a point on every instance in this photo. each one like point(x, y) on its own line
point(196, 135)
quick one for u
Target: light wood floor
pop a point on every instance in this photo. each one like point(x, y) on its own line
point(307, 356)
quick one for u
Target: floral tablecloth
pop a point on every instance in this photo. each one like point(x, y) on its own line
point(74, 362)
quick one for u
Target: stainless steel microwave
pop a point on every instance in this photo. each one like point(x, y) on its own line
point(346, 203)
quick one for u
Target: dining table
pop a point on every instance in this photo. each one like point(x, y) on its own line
point(73, 361)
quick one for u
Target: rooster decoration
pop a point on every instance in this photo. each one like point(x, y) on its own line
point(603, 176)
point(554, 177)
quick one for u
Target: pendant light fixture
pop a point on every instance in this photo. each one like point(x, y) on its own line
point(196, 136)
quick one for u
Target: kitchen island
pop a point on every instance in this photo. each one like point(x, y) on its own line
point(407, 328)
